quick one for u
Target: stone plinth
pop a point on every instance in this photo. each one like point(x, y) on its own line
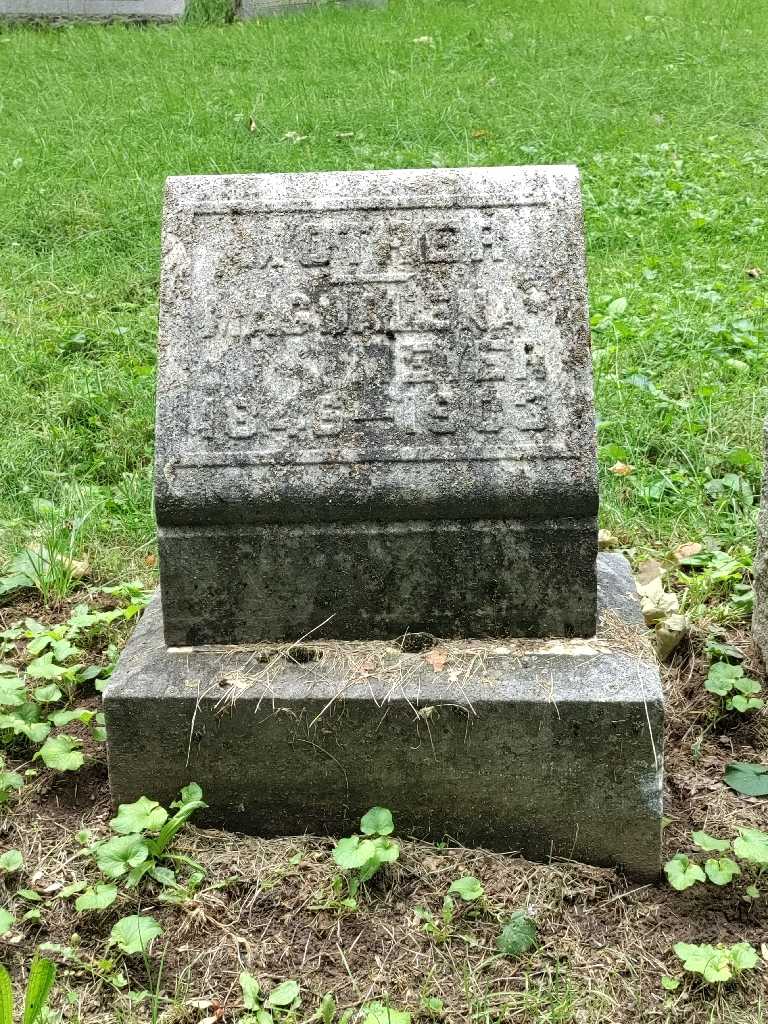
point(270, 8)
point(552, 748)
point(375, 406)
point(94, 10)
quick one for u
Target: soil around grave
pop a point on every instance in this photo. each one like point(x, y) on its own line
point(605, 942)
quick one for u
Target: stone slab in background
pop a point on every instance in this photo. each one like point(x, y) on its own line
point(375, 406)
point(96, 10)
point(552, 748)
point(760, 615)
point(269, 8)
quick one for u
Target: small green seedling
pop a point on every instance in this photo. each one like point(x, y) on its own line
point(135, 934)
point(518, 936)
point(37, 700)
point(382, 1013)
point(273, 1006)
point(440, 929)
point(717, 964)
point(749, 860)
point(42, 975)
point(10, 781)
point(360, 857)
point(736, 692)
point(10, 861)
point(432, 1007)
point(144, 833)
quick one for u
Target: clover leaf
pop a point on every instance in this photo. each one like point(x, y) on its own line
point(11, 861)
point(62, 753)
point(378, 821)
point(352, 852)
point(135, 934)
point(116, 857)
point(752, 845)
point(284, 994)
point(468, 888)
point(144, 815)
point(721, 871)
point(97, 897)
point(518, 935)
point(714, 965)
point(682, 872)
point(704, 841)
point(379, 1013)
point(744, 956)
point(721, 678)
point(12, 693)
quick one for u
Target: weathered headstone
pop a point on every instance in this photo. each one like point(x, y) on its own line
point(760, 615)
point(269, 8)
point(375, 407)
point(375, 419)
point(94, 10)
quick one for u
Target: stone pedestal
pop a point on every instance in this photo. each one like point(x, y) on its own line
point(552, 748)
point(92, 10)
point(271, 8)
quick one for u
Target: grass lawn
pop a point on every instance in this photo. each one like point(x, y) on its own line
point(664, 105)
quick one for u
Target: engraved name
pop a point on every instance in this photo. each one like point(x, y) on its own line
point(367, 333)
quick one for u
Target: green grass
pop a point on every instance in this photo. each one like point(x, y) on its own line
point(662, 104)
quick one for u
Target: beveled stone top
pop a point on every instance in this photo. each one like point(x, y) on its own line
point(383, 345)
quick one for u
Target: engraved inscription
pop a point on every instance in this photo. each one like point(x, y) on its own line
point(410, 334)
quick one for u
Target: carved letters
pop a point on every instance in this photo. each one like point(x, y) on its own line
point(373, 331)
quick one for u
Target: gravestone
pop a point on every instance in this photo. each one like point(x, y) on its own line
point(269, 8)
point(760, 615)
point(95, 10)
point(375, 426)
point(375, 407)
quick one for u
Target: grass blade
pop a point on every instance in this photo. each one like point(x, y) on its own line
point(6, 997)
point(42, 975)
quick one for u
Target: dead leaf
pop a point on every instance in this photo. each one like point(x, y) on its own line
point(670, 632)
point(754, 272)
point(436, 658)
point(79, 568)
point(424, 40)
point(649, 570)
point(687, 550)
point(150, 560)
point(480, 133)
point(252, 125)
point(621, 469)
point(606, 540)
point(655, 601)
